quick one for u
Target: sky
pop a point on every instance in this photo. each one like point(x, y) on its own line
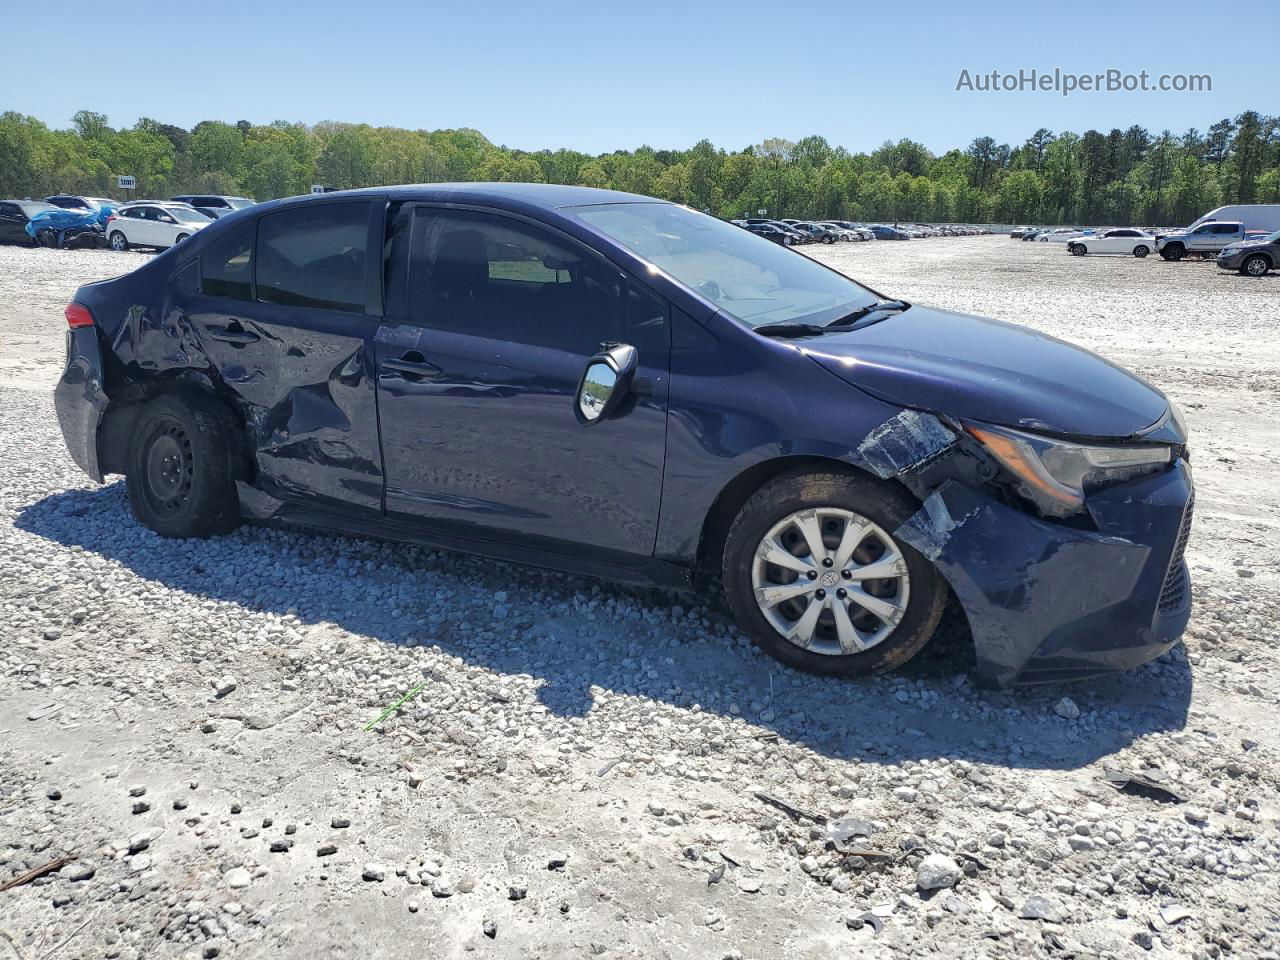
point(600, 76)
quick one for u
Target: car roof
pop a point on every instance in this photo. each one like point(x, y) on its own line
point(547, 195)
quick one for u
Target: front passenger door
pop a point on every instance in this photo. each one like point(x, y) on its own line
point(492, 324)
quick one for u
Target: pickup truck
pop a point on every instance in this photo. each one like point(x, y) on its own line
point(1206, 240)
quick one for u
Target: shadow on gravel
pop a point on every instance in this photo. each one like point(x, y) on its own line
point(571, 633)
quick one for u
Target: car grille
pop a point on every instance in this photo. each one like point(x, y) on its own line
point(1174, 593)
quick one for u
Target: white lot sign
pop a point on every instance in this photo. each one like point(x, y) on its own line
point(126, 183)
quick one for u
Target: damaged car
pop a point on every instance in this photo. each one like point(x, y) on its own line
point(621, 387)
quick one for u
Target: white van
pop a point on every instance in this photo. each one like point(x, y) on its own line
point(1264, 217)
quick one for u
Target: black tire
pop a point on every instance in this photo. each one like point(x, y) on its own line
point(181, 237)
point(882, 503)
point(184, 459)
point(118, 241)
point(828, 239)
point(1174, 252)
point(1077, 249)
point(1141, 250)
point(1255, 266)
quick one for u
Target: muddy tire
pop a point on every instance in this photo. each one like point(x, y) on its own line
point(846, 508)
point(182, 466)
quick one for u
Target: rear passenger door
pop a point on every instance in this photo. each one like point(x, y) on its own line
point(491, 321)
point(285, 307)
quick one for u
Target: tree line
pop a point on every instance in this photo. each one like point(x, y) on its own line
point(1120, 177)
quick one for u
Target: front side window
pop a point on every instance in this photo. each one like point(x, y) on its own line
point(749, 277)
point(504, 279)
point(226, 266)
point(314, 255)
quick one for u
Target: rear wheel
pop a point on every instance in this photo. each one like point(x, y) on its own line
point(181, 237)
point(182, 467)
point(1141, 251)
point(1255, 266)
point(815, 576)
point(118, 241)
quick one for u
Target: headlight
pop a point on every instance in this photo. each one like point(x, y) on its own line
point(1055, 474)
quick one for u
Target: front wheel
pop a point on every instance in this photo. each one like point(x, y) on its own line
point(816, 577)
point(181, 237)
point(1077, 250)
point(182, 467)
point(118, 241)
point(1255, 266)
point(1141, 251)
point(1173, 253)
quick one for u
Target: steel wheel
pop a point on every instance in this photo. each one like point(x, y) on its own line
point(169, 468)
point(830, 581)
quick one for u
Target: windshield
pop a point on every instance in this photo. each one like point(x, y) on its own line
point(753, 279)
point(187, 216)
point(1272, 237)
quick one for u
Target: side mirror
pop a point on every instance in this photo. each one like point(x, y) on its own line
point(605, 382)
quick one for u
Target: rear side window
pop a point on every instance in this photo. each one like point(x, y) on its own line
point(314, 256)
point(1224, 228)
point(226, 267)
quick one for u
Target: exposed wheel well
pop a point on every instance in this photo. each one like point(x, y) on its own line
point(126, 401)
point(715, 527)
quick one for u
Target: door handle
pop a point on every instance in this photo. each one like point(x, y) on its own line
point(233, 334)
point(412, 364)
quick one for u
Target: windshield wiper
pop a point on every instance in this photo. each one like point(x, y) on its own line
point(850, 321)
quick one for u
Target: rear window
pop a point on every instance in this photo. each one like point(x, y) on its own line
point(314, 255)
point(226, 266)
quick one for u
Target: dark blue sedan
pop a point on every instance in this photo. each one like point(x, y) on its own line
point(617, 386)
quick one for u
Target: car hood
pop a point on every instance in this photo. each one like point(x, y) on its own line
point(979, 369)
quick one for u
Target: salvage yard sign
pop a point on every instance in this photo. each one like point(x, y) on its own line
point(126, 183)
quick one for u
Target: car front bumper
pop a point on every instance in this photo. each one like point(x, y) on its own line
point(1232, 260)
point(1048, 602)
point(80, 400)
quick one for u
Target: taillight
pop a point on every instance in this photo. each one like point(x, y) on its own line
point(110, 217)
point(78, 315)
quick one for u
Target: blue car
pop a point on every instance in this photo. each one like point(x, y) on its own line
point(621, 387)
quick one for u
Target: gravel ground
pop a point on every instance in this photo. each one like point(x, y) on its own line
point(579, 773)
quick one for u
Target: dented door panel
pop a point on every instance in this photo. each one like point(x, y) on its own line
point(301, 379)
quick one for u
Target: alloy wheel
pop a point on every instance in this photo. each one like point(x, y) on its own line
point(830, 581)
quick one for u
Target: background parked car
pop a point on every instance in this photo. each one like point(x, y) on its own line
point(14, 216)
point(214, 205)
point(847, 234)
point(1206, 240)
point(816, 231)
point(1124, 240)
point(770, 232)
point(785, 226)
point(158, 224)
point(883, 232)
point(70, 201)
point(1252, 257)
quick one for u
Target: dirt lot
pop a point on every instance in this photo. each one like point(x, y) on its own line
point(579, 775)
